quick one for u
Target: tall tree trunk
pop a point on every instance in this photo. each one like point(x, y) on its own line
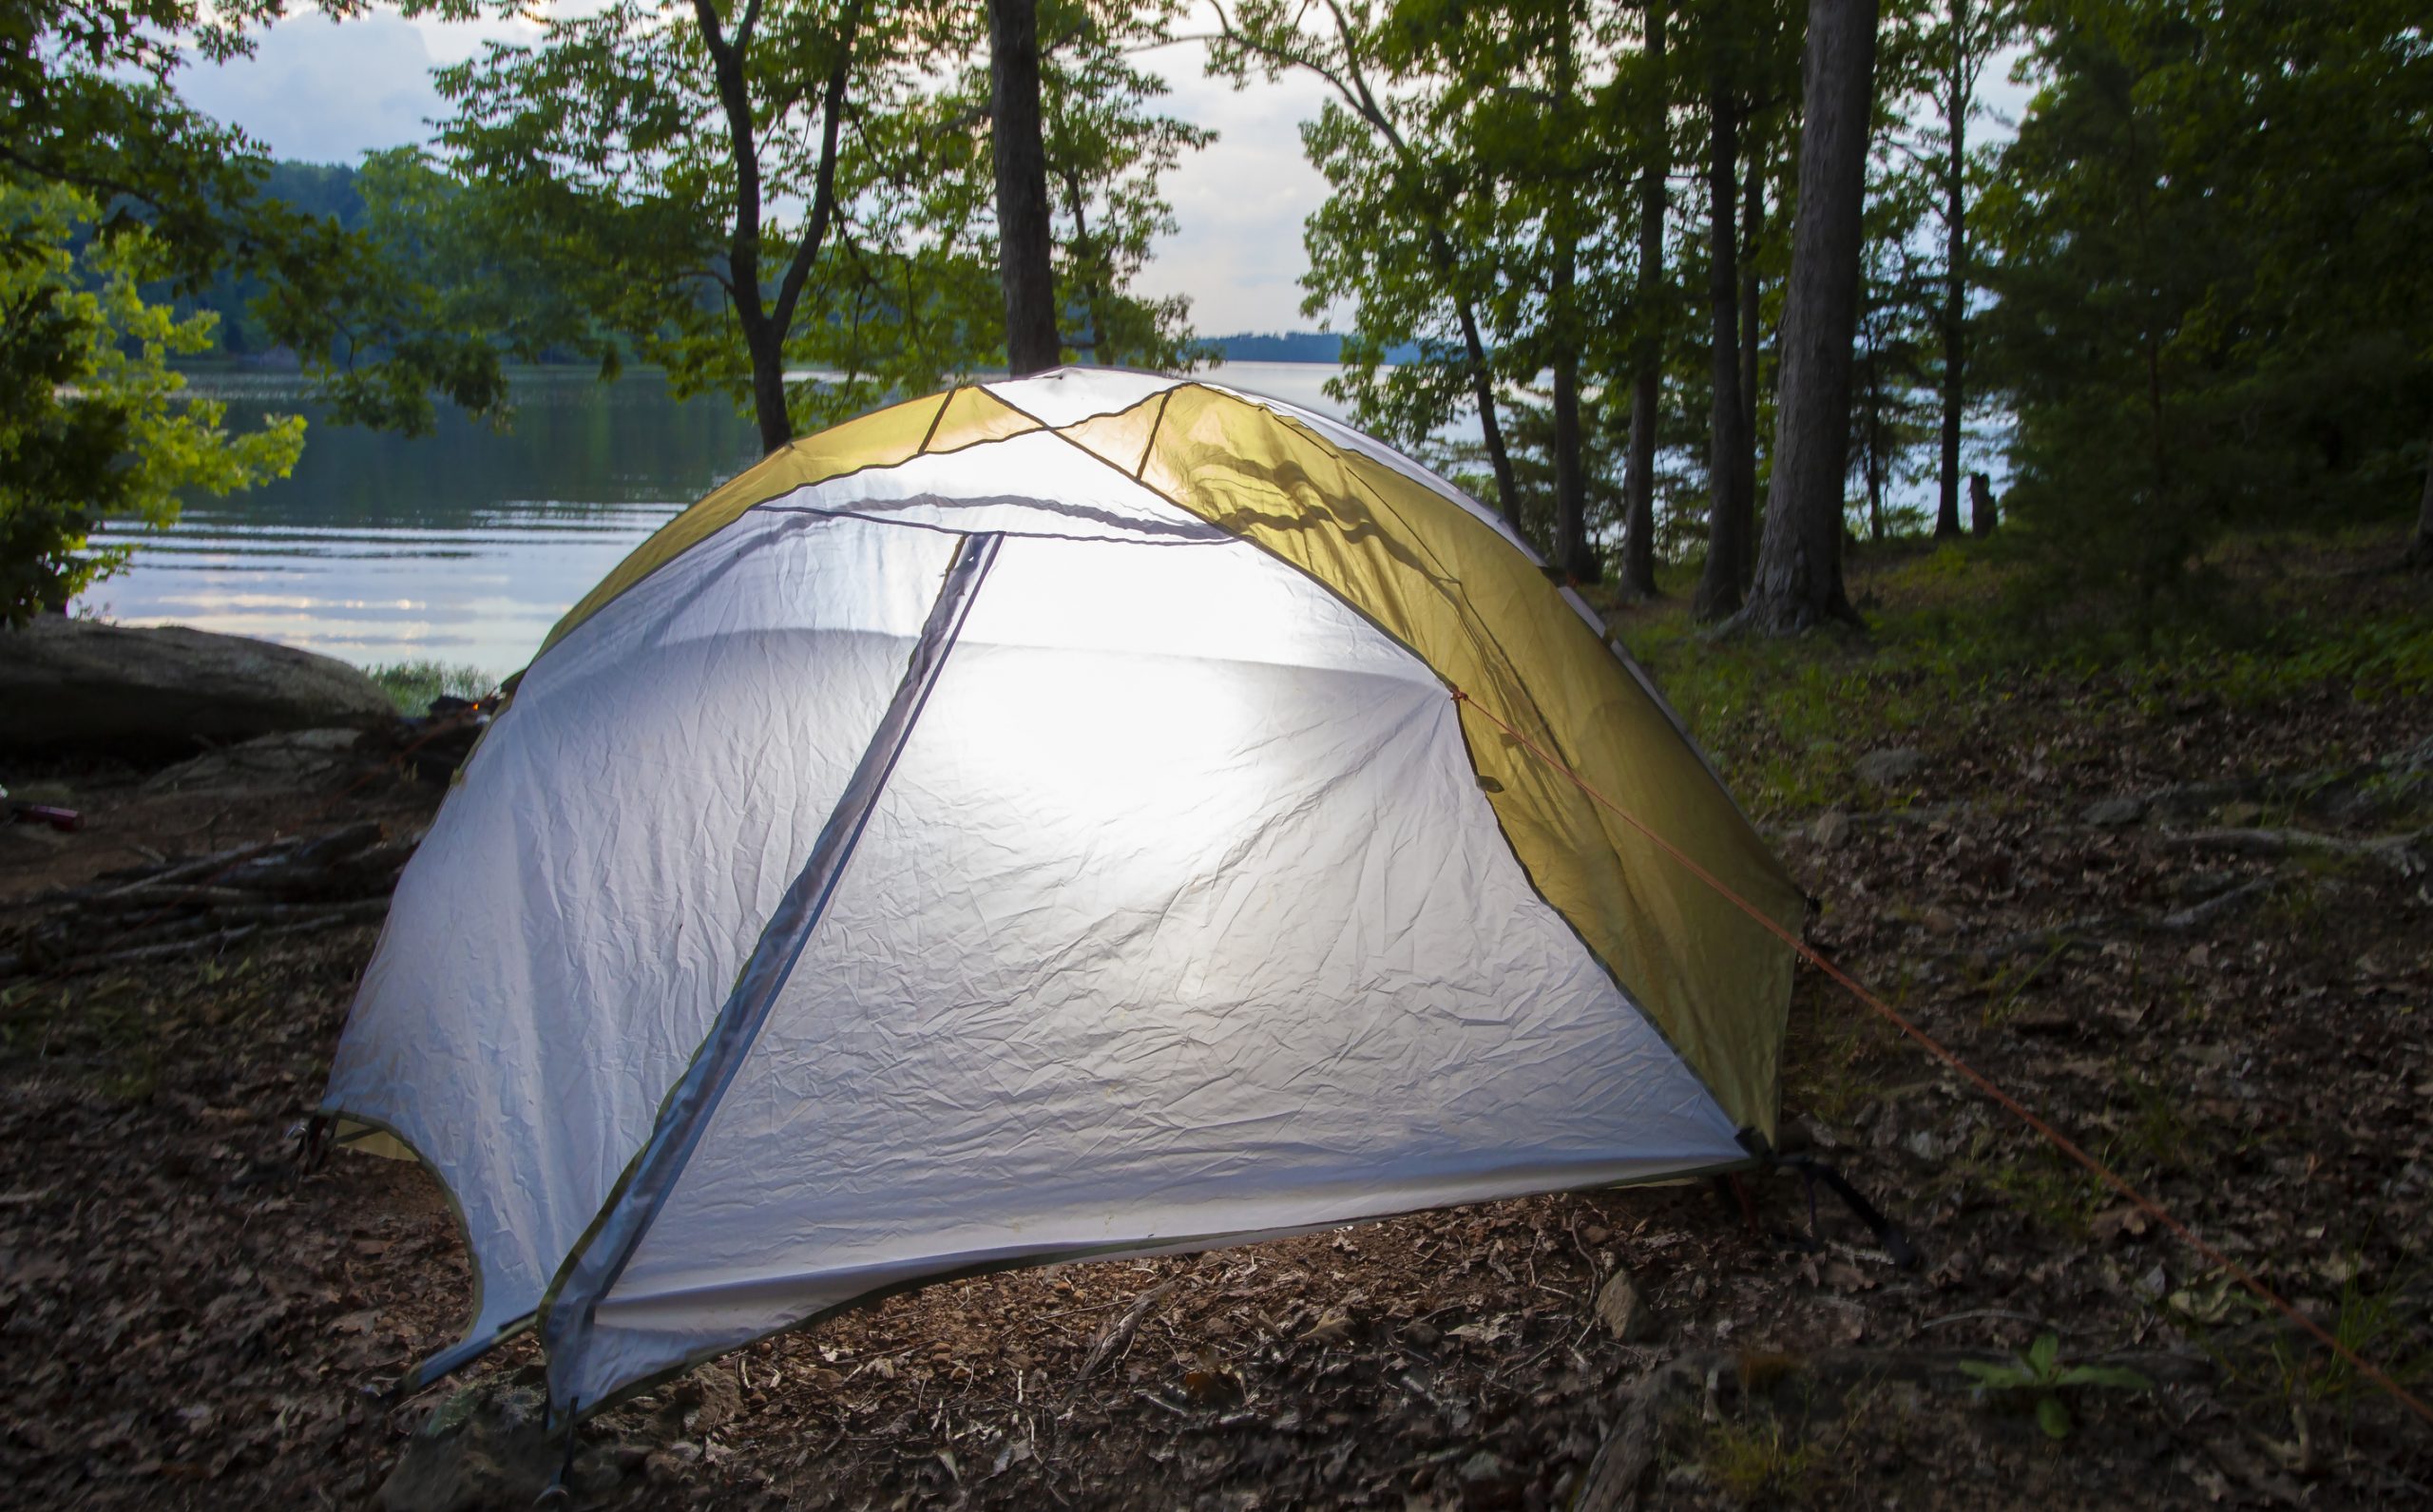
point(1799, 566)
point(1086, 252)
point(1955, 275)
point(1572, 555)
point(1753, 226)
point(1499, 460)
point(1727, 523)
point(2420, 551)
point(1024, 238)
point(1874, 447)
point(1647, 361)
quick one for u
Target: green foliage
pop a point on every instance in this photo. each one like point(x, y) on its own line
point(795, 207)
point(413, 684)
point(2041, 1377)
point(94, 424)
point(2213, 311)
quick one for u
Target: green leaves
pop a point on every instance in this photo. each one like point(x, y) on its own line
point(94, 424)
point(2039, 1371)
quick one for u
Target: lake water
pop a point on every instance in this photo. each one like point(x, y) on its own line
point(463, 546)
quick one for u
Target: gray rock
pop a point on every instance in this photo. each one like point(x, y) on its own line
point(2113, 813)
point(1886, 768)
point(1623, 1311)
point(79, 682)
point(300, 759)
point(486, 1447)
point(1833, 828)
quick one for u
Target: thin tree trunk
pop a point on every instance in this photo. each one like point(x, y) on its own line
point(1023, 234)
point(1752, 226)
point(1727, 523)
point(1086, 255)
point(1874, 447)
point(2420, 551)
point(1572, 554)
point(1647, 374)
point(1955, 278)
point(1508, 494)
point(1799, 566)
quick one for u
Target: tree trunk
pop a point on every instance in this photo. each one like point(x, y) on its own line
point(1024, 238)
point(1572, 555)
point(1753, 226)
point(1873, 453)
point(1955, 278)
point(2420, 551)
point(1508, 494)
point(1799, 568)
point(1647, 362)
point(1727, 523)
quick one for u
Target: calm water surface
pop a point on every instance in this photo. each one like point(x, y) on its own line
point(463, 546)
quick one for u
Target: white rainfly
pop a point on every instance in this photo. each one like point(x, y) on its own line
point(972, 860)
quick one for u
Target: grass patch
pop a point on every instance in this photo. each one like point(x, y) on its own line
point(412, 685)
point(1757, 1462)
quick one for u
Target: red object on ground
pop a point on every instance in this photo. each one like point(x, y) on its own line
point(63, 820)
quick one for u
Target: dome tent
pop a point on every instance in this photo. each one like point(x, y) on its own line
point(1068, 817)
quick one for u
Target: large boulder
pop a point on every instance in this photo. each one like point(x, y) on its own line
point(77, 682)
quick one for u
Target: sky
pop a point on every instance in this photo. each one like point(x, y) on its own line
point(327, 91)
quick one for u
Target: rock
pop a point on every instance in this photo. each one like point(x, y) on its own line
point(1887, 768)
point(1833, 828)
point(709, 1398)
point(78, 682)
point(2113, 813)
point(299, 758)
point(485, 1446)
point(1622, 1309)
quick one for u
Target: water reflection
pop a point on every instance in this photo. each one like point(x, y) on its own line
point(464, 545)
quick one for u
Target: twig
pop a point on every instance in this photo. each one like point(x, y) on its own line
point(1116, 1334)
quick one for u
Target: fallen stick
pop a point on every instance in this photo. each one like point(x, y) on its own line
point(1116, 1334)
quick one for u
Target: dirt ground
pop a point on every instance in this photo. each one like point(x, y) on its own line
point(2236, 1019)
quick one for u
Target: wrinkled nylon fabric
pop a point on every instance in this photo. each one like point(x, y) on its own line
point(1182, 915)
point(1031, 485)
point(940, 421)
point(1424, 567)
point(558, 944)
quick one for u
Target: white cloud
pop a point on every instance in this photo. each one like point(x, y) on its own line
point(325, 91)
point(1239, 204)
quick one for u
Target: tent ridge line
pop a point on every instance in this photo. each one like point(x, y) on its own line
point(601, 1256)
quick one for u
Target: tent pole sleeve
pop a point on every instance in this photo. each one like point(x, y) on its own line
point(601, 1256)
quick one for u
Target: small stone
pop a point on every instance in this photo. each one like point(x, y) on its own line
point(1485, 1468)
point(1623, 1311)
point(1423, 1334)
point(1595, 1234)
point(2114, 813)
point(1886, 768)
point(1833, 828)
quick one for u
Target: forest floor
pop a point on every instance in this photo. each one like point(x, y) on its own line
point(2181, 904)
